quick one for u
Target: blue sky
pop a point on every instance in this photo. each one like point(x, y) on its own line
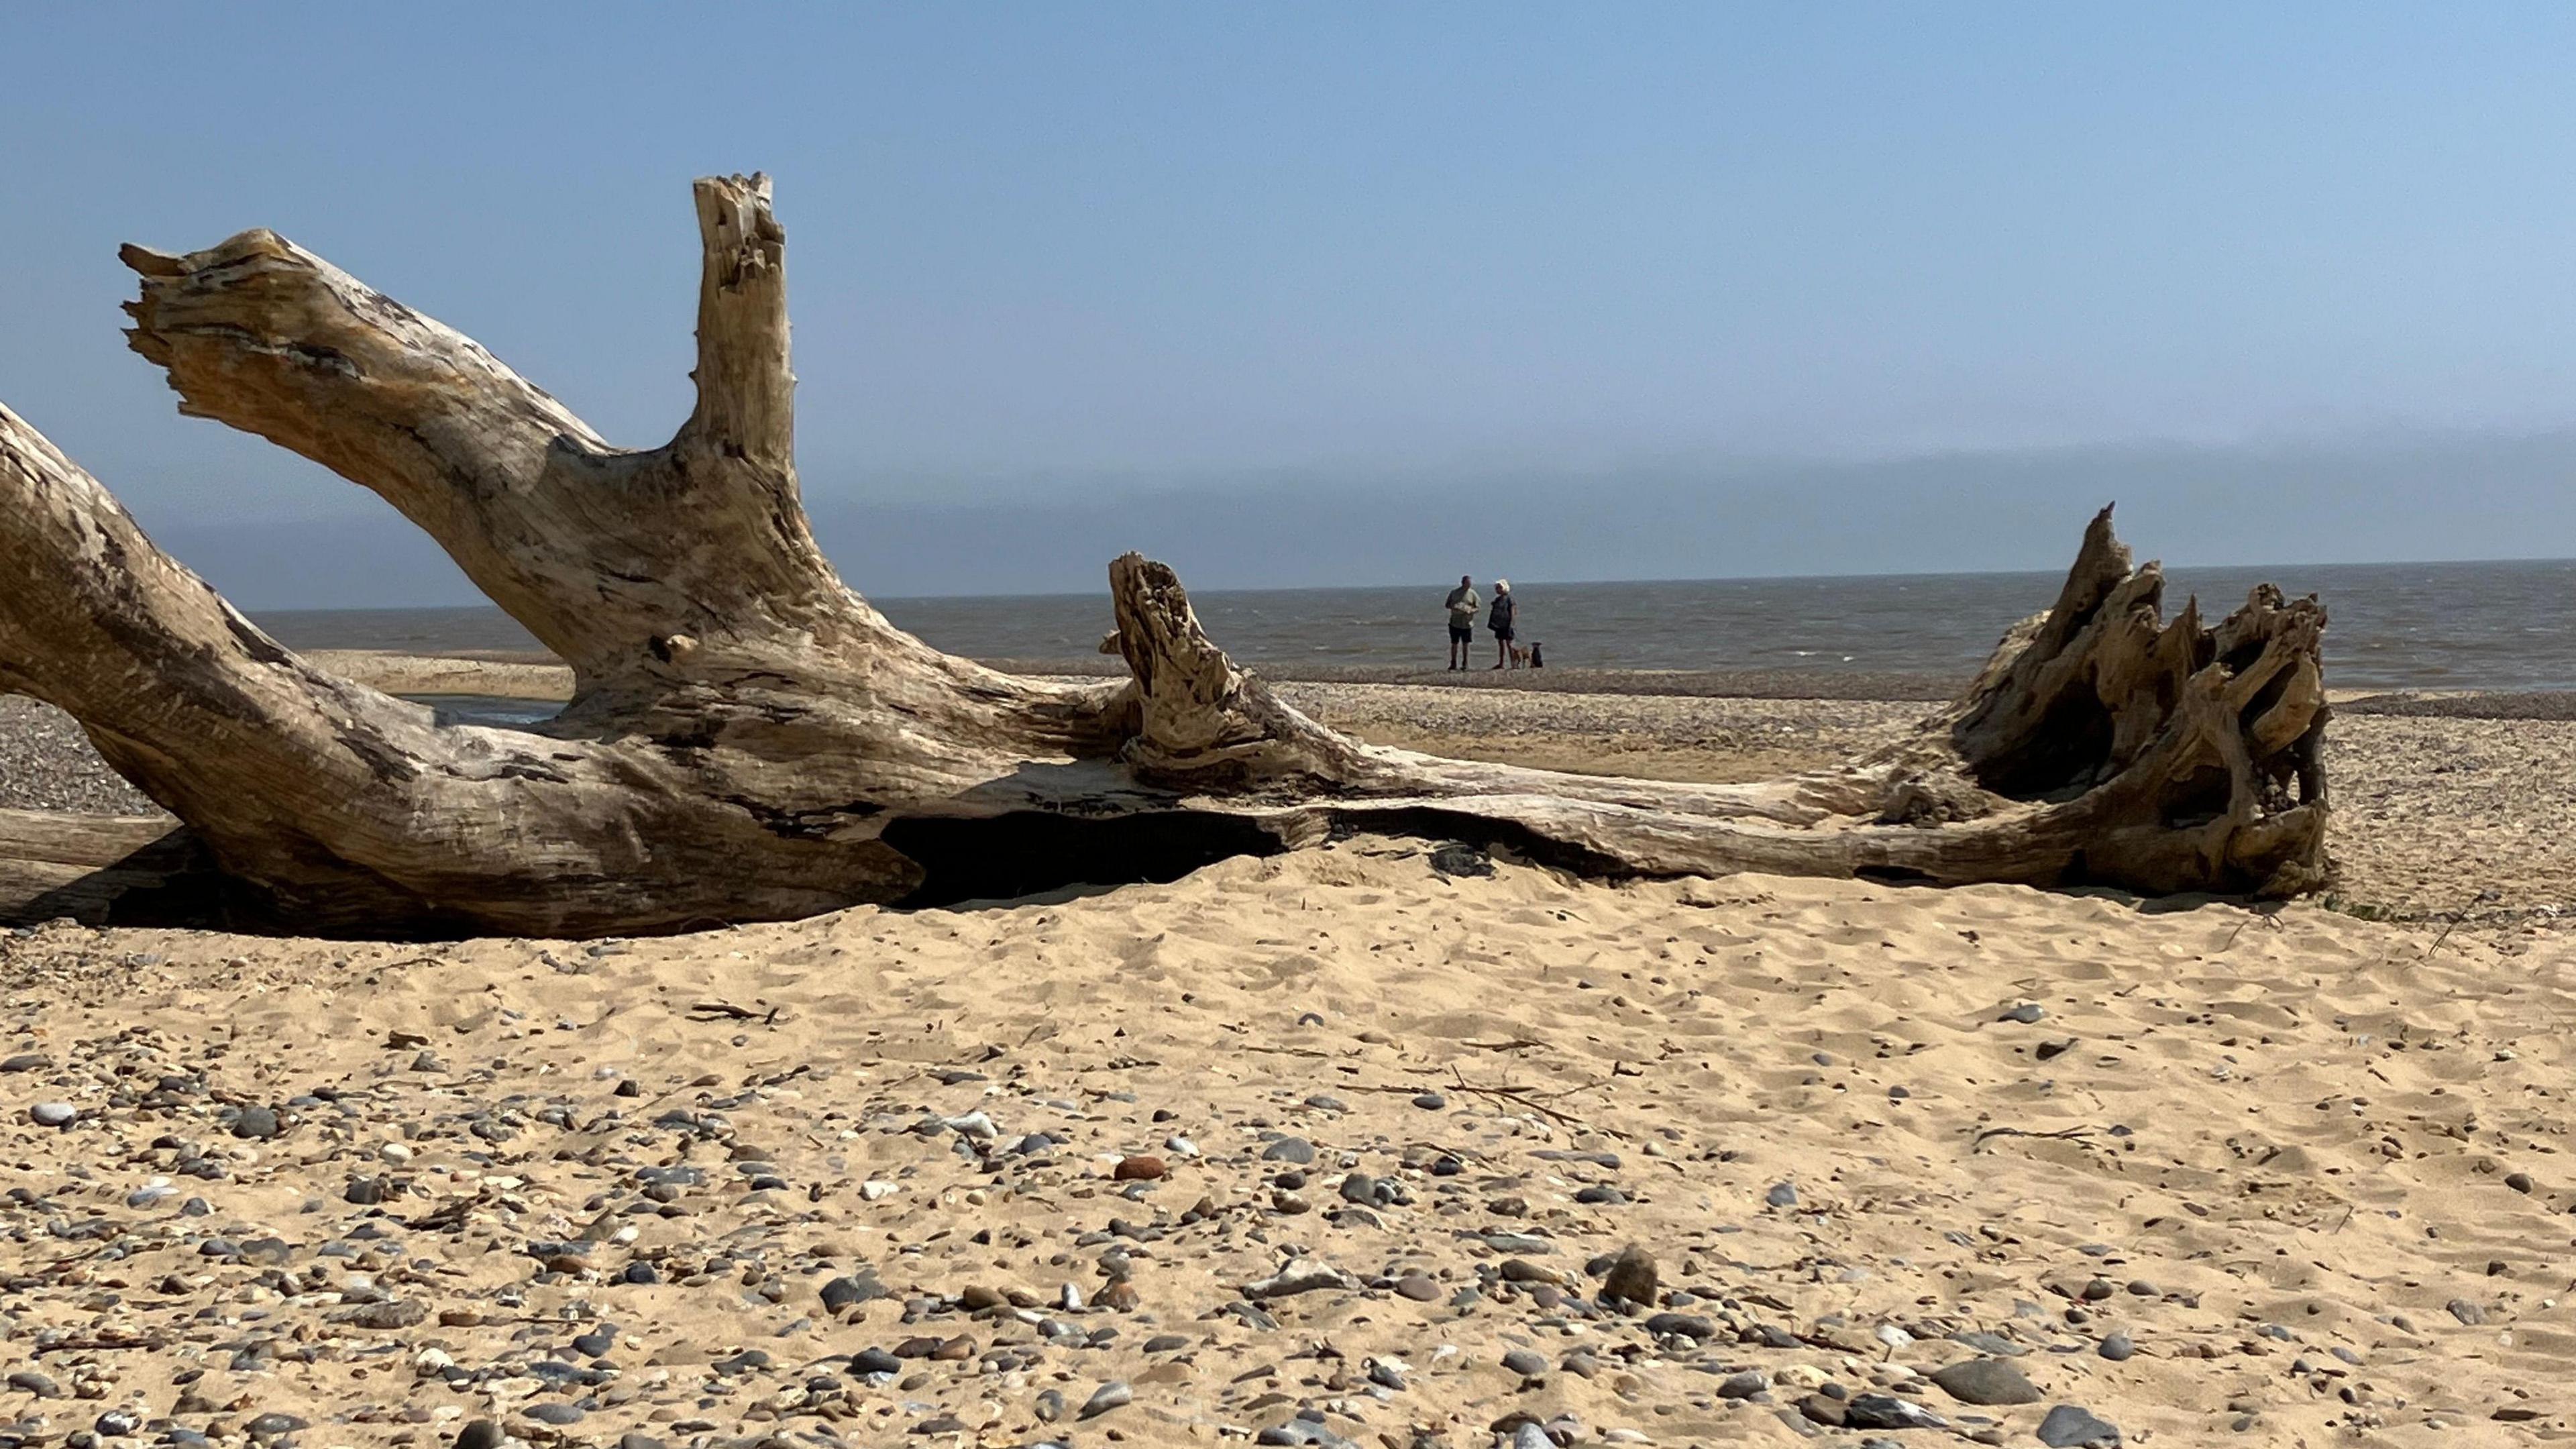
point(1040, 256)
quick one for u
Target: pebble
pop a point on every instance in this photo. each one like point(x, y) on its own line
point(1887, 1411)
point(1290, 1149)
point(2069, 1427)
point(257, 1124)
point(1525, 1363)
point(480, 1434)
point(2026, 1013)
point(1418, 1288)
point(1430, 1101)
point(1682, 1325)
point(1985, 1381)
point(850, 1289)
point(1112, 1395)
point(54, 1114)
point(2117, 1347)
point(1140, 1169)
point(1632, 1276)
point(1781, 1195)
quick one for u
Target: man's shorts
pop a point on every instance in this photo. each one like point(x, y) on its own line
point(1462, 633)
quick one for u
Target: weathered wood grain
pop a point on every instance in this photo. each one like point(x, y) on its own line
point(747, 738)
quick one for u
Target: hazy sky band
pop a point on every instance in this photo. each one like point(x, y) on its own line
point(1043, 252)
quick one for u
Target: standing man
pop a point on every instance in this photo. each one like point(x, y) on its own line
point(1462, 620)
point(1501, 623)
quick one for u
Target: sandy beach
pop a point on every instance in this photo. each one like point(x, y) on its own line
point(1344, 1146)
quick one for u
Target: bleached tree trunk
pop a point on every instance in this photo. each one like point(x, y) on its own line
point(748, 739)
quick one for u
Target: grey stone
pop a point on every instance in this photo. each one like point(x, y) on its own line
point(53, 1114)
point(1743, 1385)
point(1525, 1363)
point(1887, 1411)
point(851, 1289)
point(257, 1124)
point(1686, 1325)
point(2117, 1347)
point(1632, 1277)
point(1290, 1149)
point(2069, 1427)
point(1985, 1381)
point(1303, 1432)
point(480, 1434)
point(398, 1313)
point(1781, 1195)
point(1112, 1395)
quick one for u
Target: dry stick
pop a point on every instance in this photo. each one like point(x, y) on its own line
point(1524, 1098)
point(712, 1010)
point(2070, 1134)
point(2456, 917)
point(2271, 920)
point(1515, 1044)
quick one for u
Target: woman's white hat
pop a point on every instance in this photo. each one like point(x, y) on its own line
point(1502, 586)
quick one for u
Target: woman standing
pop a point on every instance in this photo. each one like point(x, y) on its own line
point(1500, 621)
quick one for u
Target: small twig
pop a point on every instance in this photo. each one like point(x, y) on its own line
point(1515, 1044)
point(2456, 918)
point(726, 1010)
point(2070, 1134)
point(2269, 916)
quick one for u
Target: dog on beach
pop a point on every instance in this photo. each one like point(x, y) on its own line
point(1522, 655)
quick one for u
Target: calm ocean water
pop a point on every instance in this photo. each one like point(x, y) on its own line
point(2394, 626)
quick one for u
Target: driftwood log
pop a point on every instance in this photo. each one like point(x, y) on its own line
point(748, 739)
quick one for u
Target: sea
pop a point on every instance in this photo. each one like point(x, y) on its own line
point(2431, 626)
